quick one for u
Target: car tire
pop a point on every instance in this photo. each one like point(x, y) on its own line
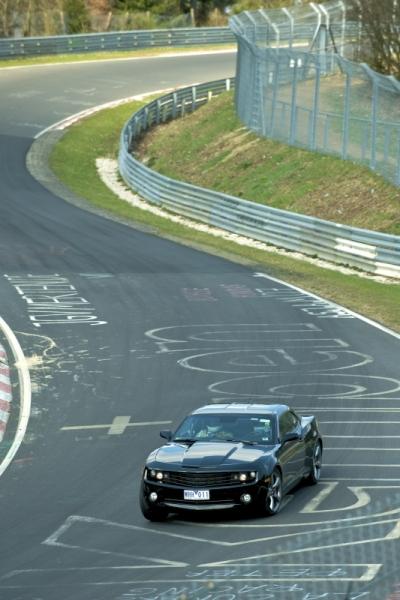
point(149, 511)
point(315, 474)
point(273, 498)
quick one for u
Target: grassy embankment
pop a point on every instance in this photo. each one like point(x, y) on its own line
point(212, 149)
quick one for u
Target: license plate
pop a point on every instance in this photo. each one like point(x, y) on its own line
point(196, 494)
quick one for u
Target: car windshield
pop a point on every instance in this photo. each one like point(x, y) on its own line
point(251, 429)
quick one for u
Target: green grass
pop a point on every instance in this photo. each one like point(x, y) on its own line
point(211, 148)
point(73, 161)
point(109, 55)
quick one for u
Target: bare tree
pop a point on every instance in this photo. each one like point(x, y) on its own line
point(380, 41)
point(5, 17)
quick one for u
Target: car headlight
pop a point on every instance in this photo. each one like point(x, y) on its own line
point(245, 476)
point(156, 475)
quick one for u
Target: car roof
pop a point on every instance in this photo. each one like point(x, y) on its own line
point(242, 408)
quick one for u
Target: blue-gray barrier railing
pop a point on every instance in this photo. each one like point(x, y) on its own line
point(370, 251)
point(118, 40)
point(129, 40)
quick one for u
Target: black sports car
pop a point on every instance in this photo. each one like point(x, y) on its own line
point(230, 455)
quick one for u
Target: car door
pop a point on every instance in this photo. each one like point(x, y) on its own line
point(292, 454)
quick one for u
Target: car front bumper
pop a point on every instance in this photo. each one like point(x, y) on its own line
point(220, 497)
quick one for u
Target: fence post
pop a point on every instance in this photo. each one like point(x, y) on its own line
point(293, 108)
point(273, 26)
point(374, 113)
point(315, 109)
point(344, 23)
point(291, 22)
point(274, 93)
point(346, 115)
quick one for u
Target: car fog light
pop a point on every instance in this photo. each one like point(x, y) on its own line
point(245, 498)
point(153, 497)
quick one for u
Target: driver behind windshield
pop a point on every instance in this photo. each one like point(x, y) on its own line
point(214, 429)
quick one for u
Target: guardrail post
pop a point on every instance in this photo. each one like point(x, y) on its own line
point(174, 104)
point(193, 98)
point(158, 111)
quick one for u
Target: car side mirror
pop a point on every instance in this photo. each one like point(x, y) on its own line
point(291, 436)
point(166, 434)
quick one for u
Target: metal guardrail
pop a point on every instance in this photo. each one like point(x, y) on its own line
point(120, 40)
point(370, 251)
point(131, 40)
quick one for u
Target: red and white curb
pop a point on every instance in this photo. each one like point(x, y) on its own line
point(24, 393)
point(5, 392)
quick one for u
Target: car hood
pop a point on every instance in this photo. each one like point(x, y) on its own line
point(209, 454)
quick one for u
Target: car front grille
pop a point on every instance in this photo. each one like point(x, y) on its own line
point(200, 479)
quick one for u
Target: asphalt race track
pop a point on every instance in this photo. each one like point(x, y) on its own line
point(156, 329)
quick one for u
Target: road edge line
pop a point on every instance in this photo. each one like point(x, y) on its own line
point(25, 394)
point(355, 314)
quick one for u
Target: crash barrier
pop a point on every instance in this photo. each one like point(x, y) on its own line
point(370, 251)
point(317, 98)
point(131, 40)
point(120, 40)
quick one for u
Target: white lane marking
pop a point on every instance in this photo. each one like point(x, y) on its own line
point(121, 59)
point(388, 513)
point(351, 409)
point(319, 498)
point(358, 465)
point(64, 123)
point(393, 534)
point(368, 479)
point(361, 437)
point(25, 393)
point(281, 572)
point(362, 499)
point(297, 571)
point(356, 449)
point(350, 422)
point(117, 426)
point(355, 314)
point(53, 540)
